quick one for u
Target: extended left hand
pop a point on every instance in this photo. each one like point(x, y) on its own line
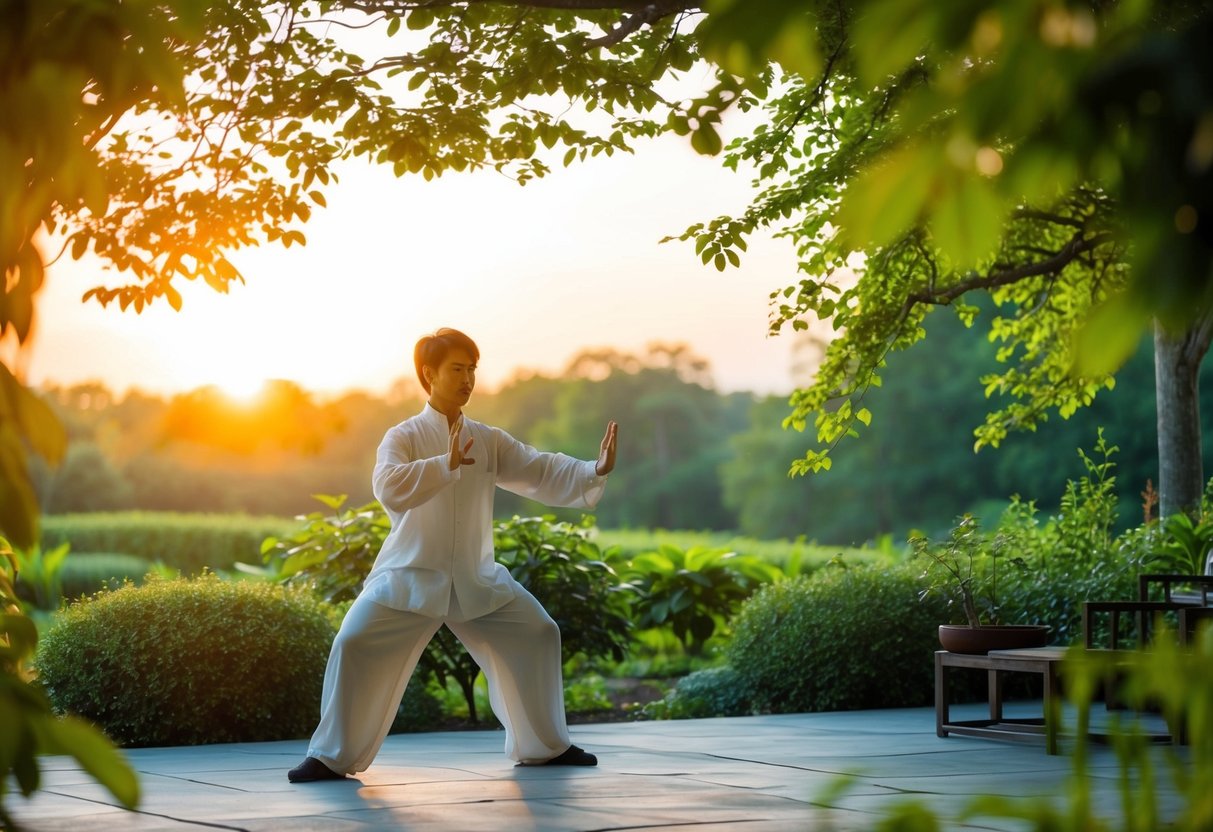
point(606, 455)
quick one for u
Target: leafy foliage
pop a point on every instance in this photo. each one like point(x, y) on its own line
point(182, 662)
point(563, 568)
point(711, 692)
point(39, 579)
point(1184, 546)
point(1074, 556)
point(693, 591)
point(964, 569)
point(331, 552)
point(30, 726)
point(908, 182)
point(796, 643)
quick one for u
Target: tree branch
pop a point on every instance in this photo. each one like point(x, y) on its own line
point(1077, 246)
point(649, 14)
point(1200, 336)
point(635, 6)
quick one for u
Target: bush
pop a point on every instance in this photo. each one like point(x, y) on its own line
point(85, 573)
point(559, 564)
point(694, 592)
point(714, 691)
point(184, 662)
point(188, 542)
point(840, 639)
point(420, 708)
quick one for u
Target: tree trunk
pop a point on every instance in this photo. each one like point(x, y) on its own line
point(1177, 358)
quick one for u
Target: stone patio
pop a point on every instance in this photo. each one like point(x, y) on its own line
point(746, 773)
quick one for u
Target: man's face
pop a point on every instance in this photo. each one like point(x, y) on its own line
point(454, 379)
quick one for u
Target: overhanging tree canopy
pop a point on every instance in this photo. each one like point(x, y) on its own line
point(1054, 153)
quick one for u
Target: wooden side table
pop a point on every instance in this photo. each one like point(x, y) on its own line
point(1042, 660)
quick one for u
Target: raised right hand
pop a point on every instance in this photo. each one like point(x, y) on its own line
point(458, 456)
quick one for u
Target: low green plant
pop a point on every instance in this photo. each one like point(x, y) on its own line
point(332, 551)
point(1183, 546)
point(189, 661)
point(39, 580)
point(693, 592)
point(586, 694)
point(30, 727)
point(796, 643)
point(562, 567)
point(711, 692)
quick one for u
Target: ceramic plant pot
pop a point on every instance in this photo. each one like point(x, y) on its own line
point(961, 638)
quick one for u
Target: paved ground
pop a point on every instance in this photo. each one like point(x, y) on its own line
point(756, 774)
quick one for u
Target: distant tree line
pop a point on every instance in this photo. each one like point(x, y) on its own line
point(691, 457)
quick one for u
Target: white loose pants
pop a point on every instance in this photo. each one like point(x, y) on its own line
point(377, 648)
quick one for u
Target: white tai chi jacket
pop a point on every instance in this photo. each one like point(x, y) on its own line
point(442, 520)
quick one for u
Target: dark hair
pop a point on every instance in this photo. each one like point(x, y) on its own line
point(432, 350)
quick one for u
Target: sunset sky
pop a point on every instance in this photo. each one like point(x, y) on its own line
point(534, 274)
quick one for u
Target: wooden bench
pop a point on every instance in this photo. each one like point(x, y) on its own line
point(1042, 660)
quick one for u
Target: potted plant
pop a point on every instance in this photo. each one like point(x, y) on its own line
point(965, 568)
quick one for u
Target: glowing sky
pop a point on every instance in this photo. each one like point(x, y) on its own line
point(534, 274)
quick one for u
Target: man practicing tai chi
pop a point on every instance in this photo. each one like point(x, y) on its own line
point(435, 474)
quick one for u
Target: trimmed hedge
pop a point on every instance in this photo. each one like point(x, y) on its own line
point(188, 542)
point(185, 662)
point(840, 639)
point(87, 572)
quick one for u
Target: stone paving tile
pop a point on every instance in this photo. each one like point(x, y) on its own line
point(752, 773)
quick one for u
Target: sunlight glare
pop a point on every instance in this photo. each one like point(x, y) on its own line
point(243, 389)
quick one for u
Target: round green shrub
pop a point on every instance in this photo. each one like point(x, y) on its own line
point(85, 573)
point(714, 691)
point(185, 662)
point(839, 639)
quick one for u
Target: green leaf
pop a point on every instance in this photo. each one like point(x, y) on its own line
point(95, 753)
point(1109, 336)
point(419, 19)
point(967, 221)
point(887, 200)
point(890, 34)
point(706, 140)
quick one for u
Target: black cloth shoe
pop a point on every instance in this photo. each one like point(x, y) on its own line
point(574, 756)
point(312, 769)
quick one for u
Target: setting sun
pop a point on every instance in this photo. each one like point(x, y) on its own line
point(243, 390)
